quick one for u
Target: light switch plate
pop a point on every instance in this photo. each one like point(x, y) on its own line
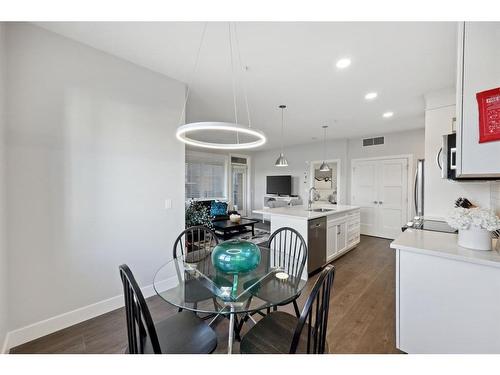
point(168, 204)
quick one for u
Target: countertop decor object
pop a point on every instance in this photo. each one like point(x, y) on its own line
point(474, 227)
point(235, 257)
point(282, 276)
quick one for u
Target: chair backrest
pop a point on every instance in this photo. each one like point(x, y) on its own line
point(288, 250)
point(140, 325)
point(195, 243)
point(314, 315)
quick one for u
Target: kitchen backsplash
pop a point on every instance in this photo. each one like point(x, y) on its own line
point(495, 197)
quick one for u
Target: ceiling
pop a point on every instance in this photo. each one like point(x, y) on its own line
point(293, 63)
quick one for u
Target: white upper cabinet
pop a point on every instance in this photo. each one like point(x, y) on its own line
point(478, 70)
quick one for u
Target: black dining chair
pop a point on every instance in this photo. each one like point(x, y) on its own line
point(288, 250)
point(282, 333)
point(182, 333)
point(194, 245)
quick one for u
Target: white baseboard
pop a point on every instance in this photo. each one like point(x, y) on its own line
point(5, 349)
point(56, 323)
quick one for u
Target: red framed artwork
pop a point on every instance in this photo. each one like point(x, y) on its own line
point(489, 115)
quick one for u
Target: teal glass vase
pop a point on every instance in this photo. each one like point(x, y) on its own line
point(234, 257)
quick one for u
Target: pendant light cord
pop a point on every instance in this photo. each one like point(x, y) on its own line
point(282, 126)
point(243, 71)
point(197, 60)
point(233, 78)
point(324, 145)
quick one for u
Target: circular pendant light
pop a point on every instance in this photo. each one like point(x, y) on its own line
point(184, 131)
point(324, 167)
point(281, 161)
point(218, 134)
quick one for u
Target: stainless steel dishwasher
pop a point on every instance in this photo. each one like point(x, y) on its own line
point(316, 244)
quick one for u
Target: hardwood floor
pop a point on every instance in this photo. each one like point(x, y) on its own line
point(362, 312)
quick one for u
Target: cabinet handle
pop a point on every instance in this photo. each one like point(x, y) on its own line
point(438, 158)
point(380, 202)
point(338, 229)
point(375, 202)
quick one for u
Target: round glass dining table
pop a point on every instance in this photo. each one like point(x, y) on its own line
point(192, 283)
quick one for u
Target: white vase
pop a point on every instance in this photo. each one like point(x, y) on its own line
point(235, 218)
point(474, 238)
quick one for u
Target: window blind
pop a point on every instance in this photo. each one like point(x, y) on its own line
point(206, 175)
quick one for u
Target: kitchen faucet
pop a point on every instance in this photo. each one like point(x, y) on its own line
point(311, 200)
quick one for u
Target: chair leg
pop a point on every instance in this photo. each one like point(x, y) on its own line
point(275, 308)
point(296, 308)
point(180, 309)
point(216, 305)
point(236, 326)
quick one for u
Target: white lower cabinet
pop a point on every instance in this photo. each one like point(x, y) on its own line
point(446, 306)
point(342, 233)
point(331, 240)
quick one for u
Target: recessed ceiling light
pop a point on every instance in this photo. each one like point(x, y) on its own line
point(371, 96)
point(343, 63)
point(388, 114)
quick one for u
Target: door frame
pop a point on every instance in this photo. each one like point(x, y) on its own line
point(410, 158)
point(249, 180)
point(339, 174)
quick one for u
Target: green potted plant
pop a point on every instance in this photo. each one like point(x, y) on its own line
point(196, 214)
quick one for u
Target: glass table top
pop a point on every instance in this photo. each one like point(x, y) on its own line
point(194, 284)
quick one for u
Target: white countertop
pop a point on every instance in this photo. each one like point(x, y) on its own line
point(443, 245)
point(301, 212)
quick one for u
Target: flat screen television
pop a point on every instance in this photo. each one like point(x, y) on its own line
point(281, 185)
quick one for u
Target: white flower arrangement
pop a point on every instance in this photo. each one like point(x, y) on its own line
point(464, 218)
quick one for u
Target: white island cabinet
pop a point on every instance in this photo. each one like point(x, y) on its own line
point(341, 229)
point(447, 297)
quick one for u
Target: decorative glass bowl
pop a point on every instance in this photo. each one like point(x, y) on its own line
point(236, 256)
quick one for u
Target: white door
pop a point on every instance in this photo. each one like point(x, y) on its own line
point(364, 194)
point(393, 197)
point(380, 188)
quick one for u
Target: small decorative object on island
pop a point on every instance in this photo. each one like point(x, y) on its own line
point(474, 227)
point(234, 257)
point(235, 218)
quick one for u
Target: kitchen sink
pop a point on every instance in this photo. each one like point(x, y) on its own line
point(322, 209)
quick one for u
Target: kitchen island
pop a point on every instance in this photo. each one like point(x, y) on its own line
point(447, 297)
point(329, 230)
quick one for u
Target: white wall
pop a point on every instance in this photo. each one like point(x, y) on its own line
point(440, 194)
point(3, 242)
point(495, 197)
point(91, 158)
point(398, 143)
point(407, 142)
point(298, 157)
